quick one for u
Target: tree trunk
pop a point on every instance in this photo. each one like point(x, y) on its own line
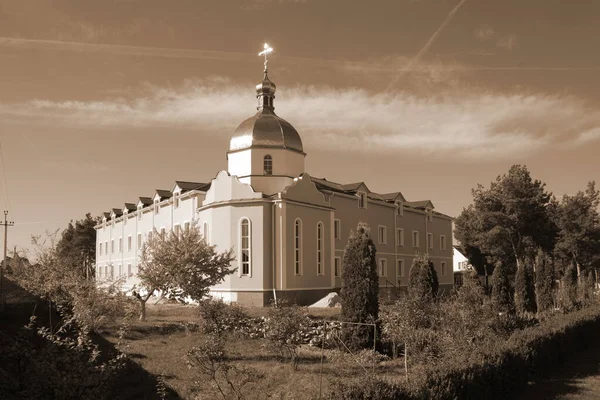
point(143, 311)
point(578, 273)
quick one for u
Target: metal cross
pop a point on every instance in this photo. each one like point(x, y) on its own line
point(267, 50)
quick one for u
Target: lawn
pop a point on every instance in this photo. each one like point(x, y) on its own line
point(160, 344)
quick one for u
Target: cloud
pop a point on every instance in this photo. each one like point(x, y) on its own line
point(454, 124)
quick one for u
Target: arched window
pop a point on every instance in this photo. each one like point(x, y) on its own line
point(245, 257)
point(298, 247)
point(268, 164)
point(320, 248)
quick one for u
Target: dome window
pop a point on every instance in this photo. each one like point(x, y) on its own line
point(268, 165)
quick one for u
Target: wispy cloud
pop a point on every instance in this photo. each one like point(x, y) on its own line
point(472, 125)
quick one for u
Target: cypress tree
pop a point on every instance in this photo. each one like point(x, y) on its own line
point(423, 281)
point(525, 289)
point(360, 288)
point(544, 282)
point(568, 292)
point(502, 297)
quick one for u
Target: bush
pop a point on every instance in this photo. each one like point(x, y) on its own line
point(525, 289)
point(367, 389)
point(360, 290)
point(544, 283)
point(568, 289)
point(502, 296)
point(423, 280)
point(284, 327)
point(219, 318)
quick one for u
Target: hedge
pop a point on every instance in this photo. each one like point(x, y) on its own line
point(528, 355)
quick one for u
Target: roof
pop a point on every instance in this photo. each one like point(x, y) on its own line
point(265, 129)
point(164, 194)
point(420, 204)
point(130, 207)
point(117, 211)
point(187, 186)
point(146, 201)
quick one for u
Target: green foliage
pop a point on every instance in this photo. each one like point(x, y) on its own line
point(368, 388)
point(218, 318)
point(568, 289)
point(77, 246)
point(284, 326)
point(502, 296)
point(525, 289)
point(423, 281)
point(510, 220)
point(578, 222)
point(184, 263)
point(544, 283)
point(360, 290)
point(38, 364)
point(586, 288)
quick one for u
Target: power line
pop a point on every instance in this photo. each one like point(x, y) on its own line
point(4, 265)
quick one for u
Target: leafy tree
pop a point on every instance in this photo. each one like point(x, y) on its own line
point(544, 282)
point(77, 246)
point(360, 290)
point(423, 280)
point(525, 289)
point(502, 297)
point(183, 263)
point(510, 220)
point(578, 224)
point(284, 327)
point(568, 290)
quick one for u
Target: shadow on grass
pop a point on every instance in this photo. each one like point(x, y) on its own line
point(583, 364)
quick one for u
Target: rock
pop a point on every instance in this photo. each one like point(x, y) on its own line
point(331, 300)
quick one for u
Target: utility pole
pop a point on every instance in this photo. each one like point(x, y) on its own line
point(6, 224)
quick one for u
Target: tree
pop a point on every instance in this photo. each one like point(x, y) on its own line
point(510, 220)
point(544, 282)
point(525, 289)
point(77, 246)
point(578, 224)
point(360, 290)
point(285, 327)
point(568, 290)
point(423, 280)
point(183, 262)
point(502, 298)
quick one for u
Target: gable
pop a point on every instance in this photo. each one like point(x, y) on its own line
point(304, 190)
point(226, 187)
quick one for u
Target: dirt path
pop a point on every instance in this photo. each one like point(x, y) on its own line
point(578, 380)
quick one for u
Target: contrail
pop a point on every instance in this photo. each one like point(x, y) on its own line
point(425, 48)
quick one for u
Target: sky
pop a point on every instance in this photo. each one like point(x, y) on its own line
point(102, 102)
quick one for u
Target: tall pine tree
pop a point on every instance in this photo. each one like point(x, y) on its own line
point(423, 280)
point(360, 289)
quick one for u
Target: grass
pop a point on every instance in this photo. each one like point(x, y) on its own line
point(160, 344)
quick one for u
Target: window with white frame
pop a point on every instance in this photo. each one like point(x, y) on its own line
point(337, 229)
point(156, 207)
point(320, 246)
point(186, 226)
point(382, 234)
point(298, 247)
point(139, 241)
point(205, 231)
point(129, 243)
point(112, 246)
point(106, 248)
point(443, 266)
point(120, 245)
point(125, 219)
point(177, 230)
point(176, 200)
point(268, 165)
point(429, 214)
point(100, 248)
point(139, 214)
point(337, 267)
point(400, 270)
point(129, 272)
point(120, 270)
point(149, 235)
point(245, 246)
point(442, 242)
point(362, 200)
point(382, 267)
point(430, 240)
point(400, 237)
point(415, 238)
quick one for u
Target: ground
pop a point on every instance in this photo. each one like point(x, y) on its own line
point(160, 344)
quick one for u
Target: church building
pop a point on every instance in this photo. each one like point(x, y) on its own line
point(288, 229)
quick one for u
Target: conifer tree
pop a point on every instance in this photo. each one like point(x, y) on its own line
point(502, 297)
point(525, 289)
point(360, 290)
point(568, 292)
point(423, 281)
point(544, 282)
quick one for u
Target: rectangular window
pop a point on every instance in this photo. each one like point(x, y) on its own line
point(100, 248)
point(120, 245)
point(400, 271)
point(400, 237)
point(186, 226)
point(415, 238)
point(443, 268)
point(400, 209)
point(139, 241)
point(129, 272)
point(382, 234)
point(337, 229)
point(442, 242)
point(125, 219)
point(112, 246)
point(129, 243)
point(176, 201)
point(156, 208)
point(139, 214)
point(320, 246)
point(362, 200)
point(337, 267)
point(112, 272)
point(106, 248)
point(162, 233)
point(430, 215)
point(177, 230)
point(149, 235)
point(120, 270)
point(382, 267)
point(430, 240)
